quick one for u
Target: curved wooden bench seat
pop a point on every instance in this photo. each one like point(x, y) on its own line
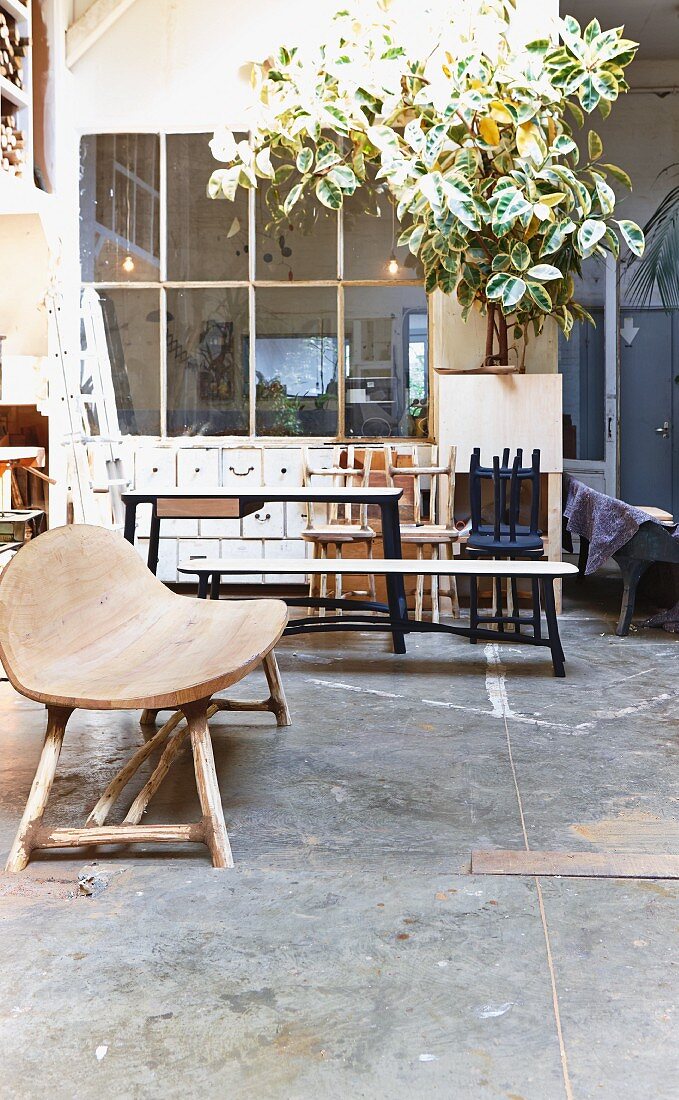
point(85, 625)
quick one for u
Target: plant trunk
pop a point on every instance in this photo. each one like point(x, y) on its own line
point(497, 336)
point(504, 341)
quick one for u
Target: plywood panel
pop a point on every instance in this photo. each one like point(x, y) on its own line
point(495, 411)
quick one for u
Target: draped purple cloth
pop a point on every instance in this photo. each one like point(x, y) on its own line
point(605, 522)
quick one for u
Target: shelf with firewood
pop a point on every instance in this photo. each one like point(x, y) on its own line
point(15, 90)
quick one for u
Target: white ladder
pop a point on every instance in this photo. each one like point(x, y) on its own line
point(92, 437)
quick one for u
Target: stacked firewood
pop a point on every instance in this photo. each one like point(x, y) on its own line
point(12, 151)
point(13, 49)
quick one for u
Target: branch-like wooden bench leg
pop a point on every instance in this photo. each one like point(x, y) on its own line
point(277, 702)
point(216, 836)
point(57, 717)
point(170, 754)
point(148, 718)
point(119, 782)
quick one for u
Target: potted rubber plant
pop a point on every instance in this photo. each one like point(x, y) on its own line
point(476, 141)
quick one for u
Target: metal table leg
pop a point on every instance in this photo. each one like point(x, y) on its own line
point(391, 541)
point(154, 537)
point(558, 658)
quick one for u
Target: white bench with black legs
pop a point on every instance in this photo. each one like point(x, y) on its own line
point(364, 615)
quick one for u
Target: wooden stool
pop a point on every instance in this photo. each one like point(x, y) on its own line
point(346, 523)
point(432, 524)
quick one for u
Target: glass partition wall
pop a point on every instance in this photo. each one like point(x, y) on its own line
point(220, 321)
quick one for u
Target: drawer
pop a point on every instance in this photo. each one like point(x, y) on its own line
point(282, 466)
point(167, 557)
point(155, 468)
point(195, 548)
point(198, 467)
point(219, 528)
point(242, 466)
point(279, 549)
point(267, 522)
point(240, 548)
point(296, 518)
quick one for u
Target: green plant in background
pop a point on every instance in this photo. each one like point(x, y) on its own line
point(476, 144)
point(659, 267)
point(282, 411)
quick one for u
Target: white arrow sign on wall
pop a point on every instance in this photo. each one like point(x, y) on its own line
point(628, 331)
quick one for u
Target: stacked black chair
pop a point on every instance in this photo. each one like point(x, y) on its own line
point(506, 536)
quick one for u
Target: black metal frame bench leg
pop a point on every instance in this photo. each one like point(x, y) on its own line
point(558, 658)
point(203, 585)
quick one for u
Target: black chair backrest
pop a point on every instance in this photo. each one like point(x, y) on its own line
point(507, 482)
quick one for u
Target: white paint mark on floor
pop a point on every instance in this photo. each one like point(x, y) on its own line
point(356, 688)
point(490, 1012)
point(496, 676)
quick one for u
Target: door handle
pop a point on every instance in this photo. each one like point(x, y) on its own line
point(664, 431)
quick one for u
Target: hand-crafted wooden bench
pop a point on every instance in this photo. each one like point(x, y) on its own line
point(366, 615)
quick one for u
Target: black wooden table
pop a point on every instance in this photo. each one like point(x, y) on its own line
point(653, 542)
point(235, 503)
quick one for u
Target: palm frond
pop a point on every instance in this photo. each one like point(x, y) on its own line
point(659, 266)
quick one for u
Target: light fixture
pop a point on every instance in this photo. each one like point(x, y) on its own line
point(128, 265)
point(392, 265)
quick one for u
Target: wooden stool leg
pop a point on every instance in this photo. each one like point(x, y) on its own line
point(452, 584)
point(338, 577)
point(435, 612)
point(216, 836)
point(57, 717)
point(313, 580)
point(278, 702)
point(419, 588)
point(372, 588)
point(323, 583)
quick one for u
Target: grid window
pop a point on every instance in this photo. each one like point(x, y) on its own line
point(220, 321)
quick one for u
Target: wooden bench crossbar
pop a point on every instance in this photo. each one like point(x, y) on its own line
point(369, 616)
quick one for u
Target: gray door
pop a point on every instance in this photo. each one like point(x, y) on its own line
point(648, 394)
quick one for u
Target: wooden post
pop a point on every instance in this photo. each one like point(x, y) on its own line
point(216, 836)
point(57, 717)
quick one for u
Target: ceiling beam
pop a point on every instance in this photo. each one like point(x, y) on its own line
point(92, 24)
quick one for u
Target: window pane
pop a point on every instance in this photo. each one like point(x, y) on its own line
point(296, 361)
point(119, 208)
point(370, 234)
point(206, 238)
point(302, 246)
point(132, 325)
point(207, 361)
point(386, 355)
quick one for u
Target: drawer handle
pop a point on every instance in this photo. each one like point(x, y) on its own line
point(262, 519)
point(197, 470)
point(242, 473)
point(154, 469)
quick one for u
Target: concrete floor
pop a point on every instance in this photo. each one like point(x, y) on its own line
point(350, 953)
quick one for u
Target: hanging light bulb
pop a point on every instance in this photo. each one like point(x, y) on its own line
point(392, 265)
point(128, 265)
